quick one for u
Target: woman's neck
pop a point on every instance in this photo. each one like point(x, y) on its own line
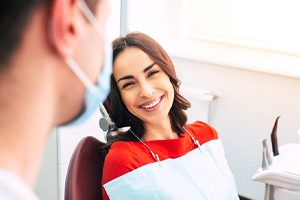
point(161, 131)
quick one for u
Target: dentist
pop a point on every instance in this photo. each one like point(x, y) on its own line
point(54, 70)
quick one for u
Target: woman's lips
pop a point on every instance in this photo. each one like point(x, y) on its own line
point(152, 104)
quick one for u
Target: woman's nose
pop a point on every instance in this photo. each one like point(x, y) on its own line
point(146, 90)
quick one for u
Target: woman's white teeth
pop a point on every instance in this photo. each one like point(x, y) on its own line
point(151, 104)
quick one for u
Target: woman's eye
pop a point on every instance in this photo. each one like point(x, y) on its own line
point(153, 73)
point(127, 85)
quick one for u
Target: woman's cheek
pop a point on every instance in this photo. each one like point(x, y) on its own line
point(126, 98)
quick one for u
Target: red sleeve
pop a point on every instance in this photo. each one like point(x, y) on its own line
point(119, 160)
point(202, 132)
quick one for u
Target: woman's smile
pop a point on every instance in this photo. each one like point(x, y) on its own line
point(152, 105)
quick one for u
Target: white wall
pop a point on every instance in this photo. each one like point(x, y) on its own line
point(245, 112)
point(47, 181)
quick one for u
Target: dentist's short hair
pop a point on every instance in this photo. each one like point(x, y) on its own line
point(15, 16)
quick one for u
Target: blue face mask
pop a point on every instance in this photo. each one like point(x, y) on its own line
point(95, 94)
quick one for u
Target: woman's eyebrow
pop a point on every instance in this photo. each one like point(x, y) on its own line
point(130, 76)
point(125, 77)
point(149, 67)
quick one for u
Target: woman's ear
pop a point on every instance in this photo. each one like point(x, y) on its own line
point(63, 26)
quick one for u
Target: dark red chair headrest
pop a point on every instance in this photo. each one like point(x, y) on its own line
point(83, 180)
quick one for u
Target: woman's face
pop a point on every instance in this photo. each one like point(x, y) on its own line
point(145, 88)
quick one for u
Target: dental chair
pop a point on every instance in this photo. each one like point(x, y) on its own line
point(83, 180)
point(84, 174)
point(281, 171)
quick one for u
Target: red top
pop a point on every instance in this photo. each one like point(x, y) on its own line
point(124, 157)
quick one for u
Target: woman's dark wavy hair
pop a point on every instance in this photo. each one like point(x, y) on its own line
point(118, 111)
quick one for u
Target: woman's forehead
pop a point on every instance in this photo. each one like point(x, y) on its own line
point(132, 59)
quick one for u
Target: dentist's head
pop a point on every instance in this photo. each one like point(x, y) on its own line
point(91, 59)
point(55, 66)
point(95, 94)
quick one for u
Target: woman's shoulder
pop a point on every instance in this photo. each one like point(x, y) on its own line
point(202, 131)
point(122, 151)
point(120, 159)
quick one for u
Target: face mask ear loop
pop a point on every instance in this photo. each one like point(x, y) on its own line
point(85, 80)
point(90, 17)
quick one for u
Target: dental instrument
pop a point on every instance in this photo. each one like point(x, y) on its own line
point(274, 138)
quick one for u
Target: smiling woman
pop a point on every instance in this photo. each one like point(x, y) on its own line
point(160, 156)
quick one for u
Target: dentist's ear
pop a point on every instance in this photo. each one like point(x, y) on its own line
point(63, 26)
